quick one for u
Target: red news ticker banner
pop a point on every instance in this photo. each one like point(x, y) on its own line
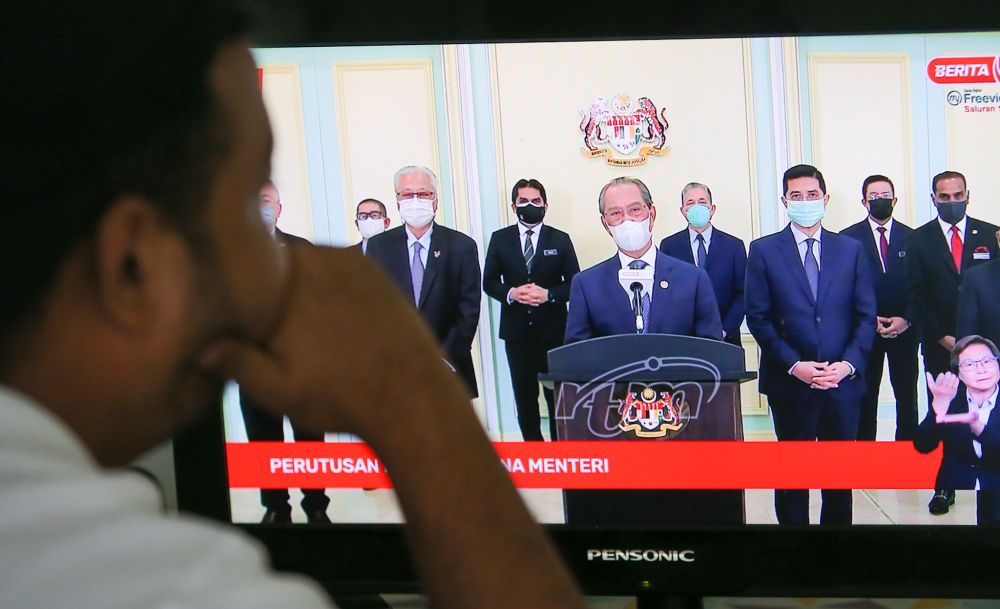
point(611, 465)
point(964, 70)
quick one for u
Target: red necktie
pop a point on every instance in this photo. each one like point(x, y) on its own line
point(956, 248)
point(883, 246)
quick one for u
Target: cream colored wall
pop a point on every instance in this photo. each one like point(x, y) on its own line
point(972, 139)
point(541, 89)
point(281, 90)
point(860, 123)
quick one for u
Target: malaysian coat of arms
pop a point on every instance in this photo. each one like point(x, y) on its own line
point(625, 126)
point(653, 414)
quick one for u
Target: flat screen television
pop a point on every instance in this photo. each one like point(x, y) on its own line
point(486, 93)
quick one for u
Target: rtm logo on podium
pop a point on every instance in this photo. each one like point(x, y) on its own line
point(640, 555)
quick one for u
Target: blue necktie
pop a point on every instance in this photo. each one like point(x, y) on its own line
point(812, 268)
point(529, 250)
point(638, 265)
point(417, 272)
point(702, 253)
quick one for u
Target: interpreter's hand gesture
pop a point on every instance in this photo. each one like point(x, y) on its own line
point(943, 388)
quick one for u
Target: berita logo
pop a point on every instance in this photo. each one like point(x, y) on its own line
point(641, 555)
point(954, 98)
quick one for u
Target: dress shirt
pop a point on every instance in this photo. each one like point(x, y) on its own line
point(878, 237)
point(425, 245)
point(693, 236)
point(800, 241)
point(946, 229)
point(649, 258)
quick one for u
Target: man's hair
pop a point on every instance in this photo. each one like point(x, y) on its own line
point(802, 171)
point(100, 100)
point(380, 204)
point(527, 183)
point(972, 339)
point(693, 185)
point(269, 183)
point(871, 180)
point(945, 175)
point(643, 191)
point(414, 169)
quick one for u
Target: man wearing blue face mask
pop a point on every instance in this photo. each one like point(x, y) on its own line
point(938, 254)
point(723, 256)
point(811, 307)
point(528, 269)
point(674, 298)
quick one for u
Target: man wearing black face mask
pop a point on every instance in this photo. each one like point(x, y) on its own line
point(883, 239)
point(938, 254)
point(528, 269)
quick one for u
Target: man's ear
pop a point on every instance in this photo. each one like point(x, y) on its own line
point(125, 245)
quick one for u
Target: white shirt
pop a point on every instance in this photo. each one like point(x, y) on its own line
point(693, 236)
point(800, 241)
point(984, 416)
point(878, 237)
point(523, 232)
point(78, 536)
point(424, 241)
point(649, 258)
point(946, 229)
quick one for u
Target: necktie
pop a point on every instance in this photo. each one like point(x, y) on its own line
point(812, 268)
point(417, 272)
point(956, 248)
point(883, 246)
point(702, 253)
point(529, 249)
point(638, 265)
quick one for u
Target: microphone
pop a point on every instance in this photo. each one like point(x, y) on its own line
point(636, 288)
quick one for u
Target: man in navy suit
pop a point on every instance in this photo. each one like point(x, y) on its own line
point(979, 302)
point(960, 417)
point(528, 269)
point(723, 256)
point(678, 300)
point(435, 266)
point(938, 254)
point(882, 238)
point(811, 307)
point(371, 219)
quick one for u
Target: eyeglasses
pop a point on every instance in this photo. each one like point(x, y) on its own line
point(879, 195)
point(402, 196)
point(636, 211)
point(973, 364)
point(370, 215)
point(798, 196)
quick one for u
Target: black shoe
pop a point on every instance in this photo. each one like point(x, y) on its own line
point(277, 517)
point(317, 517)
point(941, 501)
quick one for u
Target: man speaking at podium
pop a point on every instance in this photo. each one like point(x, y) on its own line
point(639, 290)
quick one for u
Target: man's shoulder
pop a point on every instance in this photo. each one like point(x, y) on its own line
point(768, 242)
point(725, 238)
point(857, 230)
point(455, 237)
point(590, 274)
point(983, 225)
point(678, 239)
point(982, 273)
point(380, 240)
point(555, 232)
point(289, 238)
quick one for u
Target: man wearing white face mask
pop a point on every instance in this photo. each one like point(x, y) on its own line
point(679, 298)
point(435, 266)
point(371, 219)
point(811, 306)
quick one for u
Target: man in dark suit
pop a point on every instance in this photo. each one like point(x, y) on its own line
point(961, 418)
point(882, 238)
point(260, 423)
point(938, 254)
point(675, 297)
point(435, 266)
point(811, 307)
point(371, 219)
point(979, 302)
point(723, 256)
point(528, 269)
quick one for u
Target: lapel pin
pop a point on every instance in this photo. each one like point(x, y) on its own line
point(975, 231)
point(437, 253)
point(664, 284)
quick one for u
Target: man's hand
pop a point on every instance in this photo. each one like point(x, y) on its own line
point(537, 295)
point(948, 342)
point(522, 293)
point(831, 375)
point(806, 371)
point(891, 327)
point(943, 389)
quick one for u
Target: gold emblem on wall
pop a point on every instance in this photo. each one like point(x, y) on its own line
point(622, 126)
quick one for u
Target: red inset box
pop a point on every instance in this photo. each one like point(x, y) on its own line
point(964, 70)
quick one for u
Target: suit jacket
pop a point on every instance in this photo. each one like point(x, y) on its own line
point(960, 467)
point(726, 266)
point(890, 286)
point(931, 278)
point(284, 238)
point(598, 306)
point(450, 295)
point(552, 267)
point(979, 302)
point(791, 326)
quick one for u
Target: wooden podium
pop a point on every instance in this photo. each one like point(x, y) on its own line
point(649, 388)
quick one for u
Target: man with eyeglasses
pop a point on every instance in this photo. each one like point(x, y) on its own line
point(435, 266)
point(883, 238)
point(960, 418)
point(639, 289)
point(938, 254)
point(811, 307)
point(528, 269)
point(371, 219)
point(723, 256)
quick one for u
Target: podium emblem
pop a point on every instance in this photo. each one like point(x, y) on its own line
point(653, 414)
point(622, 125)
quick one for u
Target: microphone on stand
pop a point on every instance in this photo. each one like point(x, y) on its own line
point(636, 288)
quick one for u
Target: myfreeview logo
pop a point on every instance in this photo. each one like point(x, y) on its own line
point(640, 555)
point(954, 98)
